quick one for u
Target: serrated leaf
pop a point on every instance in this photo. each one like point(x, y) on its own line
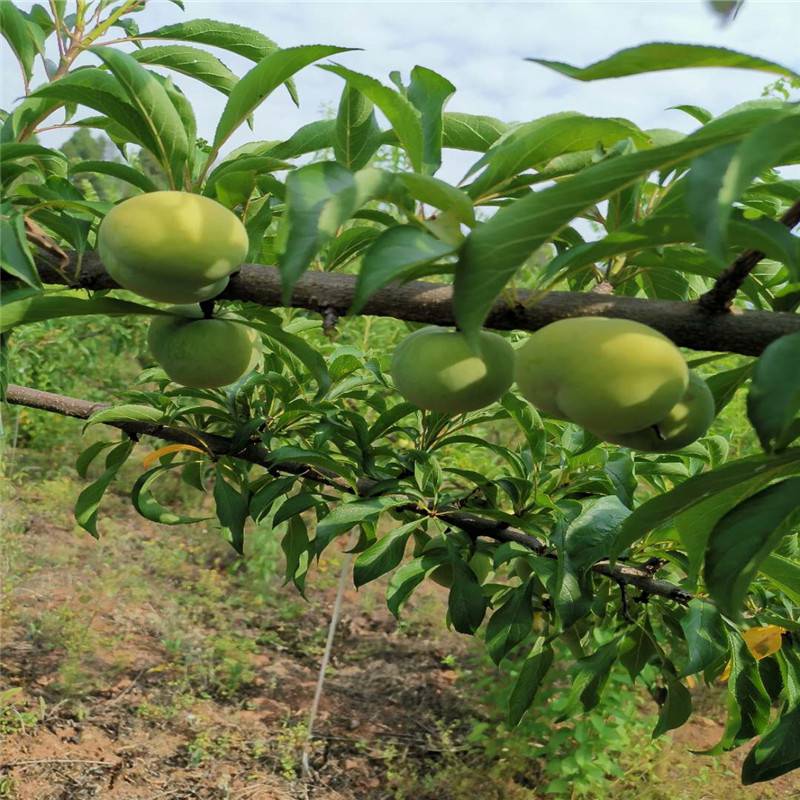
point(531, 675)
point(777, 752)
point(232, 507)
point(16, 259)
point(191, 61)
point(705, 636)
point(357, 131)
point(784, 574)
point(116, 170)
point(383, 555)
point(256, 85)
point(675, 710)
point(472, 132)
point(88, 501)
point(127, 413)
point(392, 256)
point(403, 117)
point(145, 503)
point(41, 307)
point(157, 111)
point(441, 195)
point(744, 537)
point(297, 551)
point(466, 604)
point(264, 497)
point(293, 506)
point(590, 535)
point(429, 92)
point(510, 623)
point(496, 249)
point(657, 56)
point(18, 32)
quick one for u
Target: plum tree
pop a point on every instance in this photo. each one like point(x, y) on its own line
point(174, 247)
point(201, 353)
point(613, 375)
point(686, 422)
point(437, 370)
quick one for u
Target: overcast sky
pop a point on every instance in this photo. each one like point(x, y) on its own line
point(481, 48)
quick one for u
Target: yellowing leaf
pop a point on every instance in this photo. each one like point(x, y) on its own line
point(151, 458)
point(761, 642)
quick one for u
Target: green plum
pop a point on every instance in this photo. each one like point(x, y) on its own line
point(686, 422)
point(173, 247)
point(605, 374)
point(437, 370)
point(201, 353)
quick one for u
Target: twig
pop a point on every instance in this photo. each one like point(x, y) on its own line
point(688, 325)
point(11, 764)
point(257, 454)
point(719, 298)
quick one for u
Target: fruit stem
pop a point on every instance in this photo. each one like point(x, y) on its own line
point(207, 307)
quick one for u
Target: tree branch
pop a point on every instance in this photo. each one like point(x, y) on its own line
point(718, 299)
point(687, 324)
point(255, 453)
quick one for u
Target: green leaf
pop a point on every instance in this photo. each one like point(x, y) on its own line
point(157, 111)
point(88, 501)
point(144, 502)
point(466, 604)
point(16, 258)
point(439, 194)
point(636, 651)
point(743, 476)
point(256, 85)
point(263, 498)
point(533, 672)
point(591, 534)
point(116, 170)
point(675, 710)
point(349, 245)
point(18, 32)
point(777, 752)
point(429, 92)
point(304, 352)
point(383, 555)
point(403, 117)
point(657, 56)
point(346, 516)
point(127, 413)
point(724, 385)
point(592, 675)
point(748, 703)
point(719, 179)
point(310, 138)
point(705, 637)
point(471, 132)
point(538, 142)
point(744, 537)
point(774, 398)
point(357, 131)
point(510, 623)
point(233, 508)
point(394, 256)
point(296, 549)
point(293, 506)
point(404, 581)
point(319, 197)
point(191, 61)
point(496, 249)
point(41, 307)
point(784, 574)
point(86, 458)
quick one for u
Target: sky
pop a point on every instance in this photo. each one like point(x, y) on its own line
point(481, 47)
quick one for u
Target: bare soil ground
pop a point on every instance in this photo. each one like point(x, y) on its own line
point(144, 667)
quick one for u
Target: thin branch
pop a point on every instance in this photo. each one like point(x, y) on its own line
point(688, 325)
point(719, 298)
point(216, 445)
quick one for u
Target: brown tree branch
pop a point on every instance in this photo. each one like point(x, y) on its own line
point(718, 299)
point(688, 325)
point(257, 454)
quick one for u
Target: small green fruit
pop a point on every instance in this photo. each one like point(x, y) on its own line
point(605, 374)
point(173, 247)
point(686, 422)
point(436, 369)
point(201, 353)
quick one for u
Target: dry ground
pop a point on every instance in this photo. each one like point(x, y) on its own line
point(146, 666)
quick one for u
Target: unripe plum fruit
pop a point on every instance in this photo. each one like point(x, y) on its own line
point(686, 422)
point(612, 375)
point(173, 247)
point(201, 353)
point(436, 369)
